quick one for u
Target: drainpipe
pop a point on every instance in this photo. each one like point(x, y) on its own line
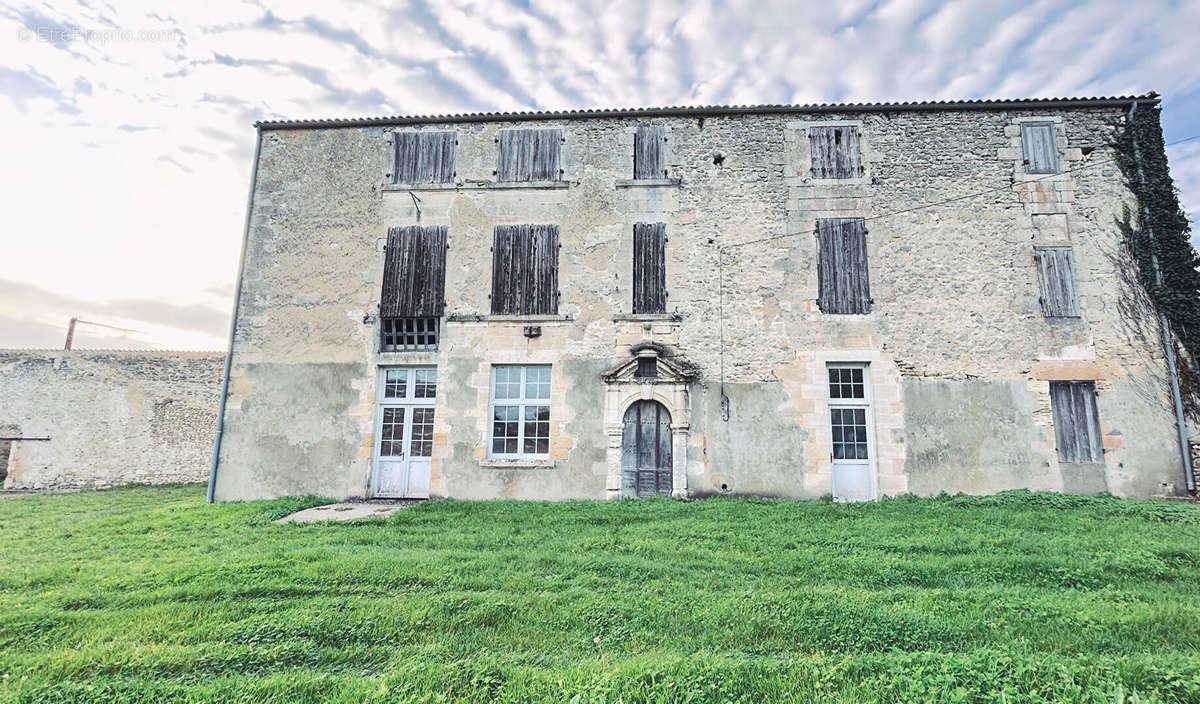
point(1165, 327)
point(237, 297)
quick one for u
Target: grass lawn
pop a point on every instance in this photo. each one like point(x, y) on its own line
point(151, 595)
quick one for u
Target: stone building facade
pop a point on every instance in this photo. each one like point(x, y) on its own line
point(96, 418)
point(997, 342)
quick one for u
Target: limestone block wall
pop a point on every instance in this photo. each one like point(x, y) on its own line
point(111, 416)
point(959, 354)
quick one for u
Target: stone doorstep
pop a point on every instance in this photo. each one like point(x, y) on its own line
point(347, 511)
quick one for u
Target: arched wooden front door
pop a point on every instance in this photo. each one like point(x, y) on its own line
point(646, 450)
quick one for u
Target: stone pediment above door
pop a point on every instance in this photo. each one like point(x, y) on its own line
point(651, 363)
point(651, 378)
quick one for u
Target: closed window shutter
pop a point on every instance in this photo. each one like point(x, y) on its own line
point(528, 155)
point(835, 152)
point(423, 157)
point(648, 152)
point(1056, 278)
point(414, 272)
point(842, 275)
point(1076, 421)
point(1041, 151)
point(525, 270)
point(649, 267)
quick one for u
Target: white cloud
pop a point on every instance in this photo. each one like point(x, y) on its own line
point(127, 155)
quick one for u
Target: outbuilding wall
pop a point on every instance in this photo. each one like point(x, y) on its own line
point(97, 418)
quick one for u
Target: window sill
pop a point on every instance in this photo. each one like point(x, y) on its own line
point(646, 317)
point(651, 182)
point(496, 463)
point(473, 185)
point(406, 354)
point(403, 187)
point(518, 319)
point(524, 184)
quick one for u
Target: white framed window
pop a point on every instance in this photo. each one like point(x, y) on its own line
point(852, 448)
point(520, 406)
point(849, 411)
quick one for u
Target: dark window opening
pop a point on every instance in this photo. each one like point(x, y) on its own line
point(404, 334)
point(647, 368)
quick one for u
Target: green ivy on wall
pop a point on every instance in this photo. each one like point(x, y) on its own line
point(1156, 234)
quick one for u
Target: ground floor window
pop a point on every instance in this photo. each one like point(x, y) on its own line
point(851, 451)
point(520, 410)
point(1076, 421)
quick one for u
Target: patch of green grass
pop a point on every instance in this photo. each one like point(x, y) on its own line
point(151, 595)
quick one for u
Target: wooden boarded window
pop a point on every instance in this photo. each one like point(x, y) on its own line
point(414, 272)
point(529, 155)
point(423, 157)
point(842, 276)
point(835, 152)
point(1076, 421)
point(414, 288)
point(649, 152)
point(525, 270)
point(1056, 278)
point(1041, 149)
point(649, 267)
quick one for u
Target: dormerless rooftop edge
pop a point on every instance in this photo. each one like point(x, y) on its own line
point(711, 111)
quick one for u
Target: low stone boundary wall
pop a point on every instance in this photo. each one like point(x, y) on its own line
point(111, 417)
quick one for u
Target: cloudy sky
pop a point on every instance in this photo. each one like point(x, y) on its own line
point(128, 125)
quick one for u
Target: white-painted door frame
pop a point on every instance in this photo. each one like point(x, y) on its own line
point(412, 472)
point(846, 475)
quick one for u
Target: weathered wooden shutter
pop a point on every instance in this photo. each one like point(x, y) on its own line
point(525, 270)
point(842, 274)
point(1041, 150)
point(423, 157)
point(528, 155)
point(648, 150)
point(1076, 421)
point(649, 267)
point(414, 272)
point(1056, 277)
point(835, 152)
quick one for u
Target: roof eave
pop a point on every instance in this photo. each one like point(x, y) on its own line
point(711, 111)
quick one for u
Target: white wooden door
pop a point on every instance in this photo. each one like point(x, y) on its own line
point(852, 451)
point(404, 433)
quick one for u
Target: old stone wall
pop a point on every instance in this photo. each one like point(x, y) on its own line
point(111, 416)
point(960, 356)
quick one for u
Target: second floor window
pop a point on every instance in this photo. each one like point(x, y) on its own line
point(842, 277)
point(414, 288)
point(525, 270)
point(420, 158)
point(649, 267)
point(527, 155)
point(835, 152)
point(1056, 279)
